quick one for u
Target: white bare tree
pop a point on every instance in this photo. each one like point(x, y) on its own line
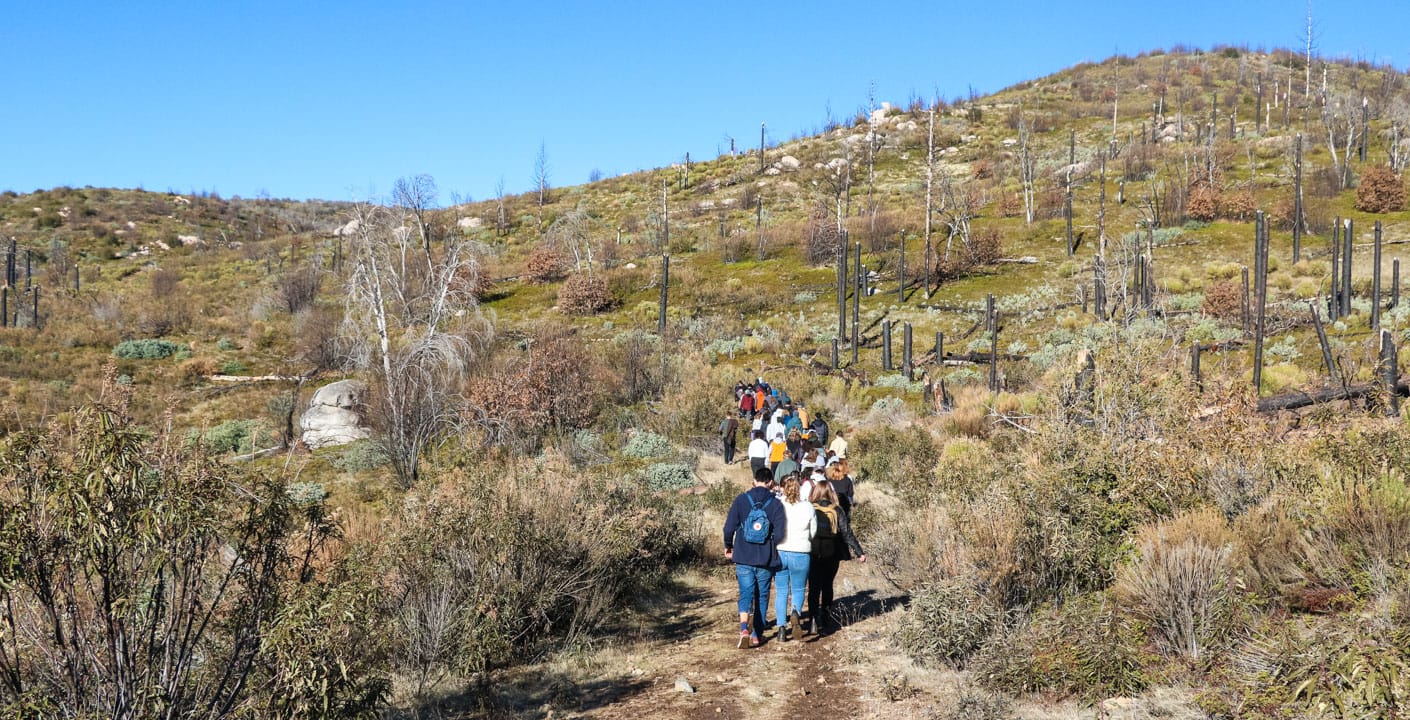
point(413, 325)
point(417, 195)
point(541, 184)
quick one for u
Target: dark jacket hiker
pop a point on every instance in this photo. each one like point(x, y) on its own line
point(755, 525)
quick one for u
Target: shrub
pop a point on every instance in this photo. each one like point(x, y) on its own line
point(664, 477)
point(644, 444)
point(548, 388)
point(1184, 582)
point(1380, 191)
point(146, 349)
point(232, 367)
point(197, 368)
point(584, 294)
point(229, 436)
point(1203, 203)
point(947, 623)
point(359, 456)
point(1223, 300)
point(1081, 648)
point(896, 456)
point(545, 264)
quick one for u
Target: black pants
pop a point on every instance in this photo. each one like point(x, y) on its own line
point(729, 450)
point(821, 574)
point(755, 463)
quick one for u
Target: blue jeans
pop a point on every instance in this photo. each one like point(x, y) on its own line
point(791, 580)
point(754, 584)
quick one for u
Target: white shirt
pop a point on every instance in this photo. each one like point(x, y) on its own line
point(758, 448)
point(758, 422)
point(776, 429)
point(838, 447)
point(802, 526)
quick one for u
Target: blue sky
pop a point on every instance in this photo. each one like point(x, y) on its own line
point(337, 100)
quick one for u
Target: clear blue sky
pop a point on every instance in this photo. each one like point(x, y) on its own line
point(336, 100)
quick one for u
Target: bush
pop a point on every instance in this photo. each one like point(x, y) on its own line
point(1223, 300)
point(359, 456)
point(232, 367)
point(545, 264)
point(1184, 582)
point(664, 477)
point(146, 349)
point(1081, 648)
point(644, 444)
point(237, 436)
point(1380, 191)
point(584, 294)
point(197, 368)
point(947, 623)
point(1203, 203)
point(900, 457)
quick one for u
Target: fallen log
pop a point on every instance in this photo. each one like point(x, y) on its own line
point(1295, 400)
point(253, 378)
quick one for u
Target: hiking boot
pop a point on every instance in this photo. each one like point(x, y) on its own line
point(795, 624)
point(782, 635)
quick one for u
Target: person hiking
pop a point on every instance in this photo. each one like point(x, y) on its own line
point(833, 542)
point(758, 452)
point(838, 475)
point(794, 441)
point(785, 467)
point(746, 405)
point(729, 432)
point(838, 446)
point(778, 450)
point(795, 555)
point(775, 430)
point(791, 421)
point(757, 522)
point(820, 431)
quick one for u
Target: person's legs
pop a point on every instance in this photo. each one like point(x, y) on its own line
point(814, 590)
point(826, 574)
point(790, 585)
point(763, 580)
point(798, 576)
point(754, 464)
point(744, 574)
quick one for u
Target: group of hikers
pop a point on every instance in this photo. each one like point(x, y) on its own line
point(793, 526)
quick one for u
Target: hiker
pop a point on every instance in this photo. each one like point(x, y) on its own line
point(758, 452)
point(775, 430)
point(791, 422)
point(820, 430)
point(729, 430)
point(778, 450)
point(840, 479)
point(794, 554)
point(838, 446)
point(785, 467)
point(833, 542)
point(746, 405)
point(756, 524)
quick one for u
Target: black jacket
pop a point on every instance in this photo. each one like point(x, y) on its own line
point(847, 546)
point(746, 553)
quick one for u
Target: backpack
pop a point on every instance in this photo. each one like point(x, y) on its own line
point(757, 527)
point(825, 539)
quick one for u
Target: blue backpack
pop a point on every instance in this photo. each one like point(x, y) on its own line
point(757, 527)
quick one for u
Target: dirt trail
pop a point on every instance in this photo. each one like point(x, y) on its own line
point(775, 680)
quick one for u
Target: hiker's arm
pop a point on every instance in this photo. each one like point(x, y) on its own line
point(732, 521)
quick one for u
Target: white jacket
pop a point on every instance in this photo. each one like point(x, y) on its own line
point(758, 448)
point(802, 526)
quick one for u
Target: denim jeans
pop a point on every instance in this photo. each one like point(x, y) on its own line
point(754, 584)
point(790, 585)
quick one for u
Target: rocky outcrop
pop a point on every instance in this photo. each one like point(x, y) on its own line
point(332, 416)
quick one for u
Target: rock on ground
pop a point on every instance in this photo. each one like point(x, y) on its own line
point(332, 416)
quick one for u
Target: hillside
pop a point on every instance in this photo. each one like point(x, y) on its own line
point(1046, 539)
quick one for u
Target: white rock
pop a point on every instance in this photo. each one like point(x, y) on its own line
point(629, 266)
point(789, 163)
point(348, 229)
point(189, 240)
point(1010, 142)
point(131, 225)
point(469, 223)
point(332, 416)
point(684, 685)
point(771, 171)
point(907, 126)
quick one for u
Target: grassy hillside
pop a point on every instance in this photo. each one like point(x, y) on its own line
point(1235, 559)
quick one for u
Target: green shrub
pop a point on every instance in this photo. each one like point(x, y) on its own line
point(359, 456)
point(669, 476)
point(146, 349)
point(232, 367)
point(947, 623)
point(899, 457)
point(647, 445)
point(237, 436)
point(225, 344)
point(1082, 648)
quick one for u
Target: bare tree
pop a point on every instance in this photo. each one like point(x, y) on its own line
point(1340, 120)
point(417, 195)
point(929, 194)
point(573, 232)
point(414, 326)
point(1028, 166)
point(501, 215)
point(541, 180)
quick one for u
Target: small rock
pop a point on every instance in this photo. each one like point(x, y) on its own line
point(684, 685)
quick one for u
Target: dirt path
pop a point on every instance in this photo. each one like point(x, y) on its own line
point(776, 679)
